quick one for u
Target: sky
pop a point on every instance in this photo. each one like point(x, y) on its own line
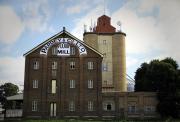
point(152, 28)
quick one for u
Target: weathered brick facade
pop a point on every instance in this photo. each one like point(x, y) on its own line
point(81, 94)
point(63, 78)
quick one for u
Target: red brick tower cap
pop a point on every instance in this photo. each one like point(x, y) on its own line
point(104, 25)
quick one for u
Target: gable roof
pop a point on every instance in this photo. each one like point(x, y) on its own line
point(58, 34)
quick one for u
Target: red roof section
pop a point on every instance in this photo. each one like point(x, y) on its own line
point(104, 25)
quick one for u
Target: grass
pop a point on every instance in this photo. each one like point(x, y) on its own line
point(98, 121)
point(169, 119)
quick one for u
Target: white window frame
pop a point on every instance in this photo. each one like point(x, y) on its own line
point(54, 50)
point(73, 51)
point(72, 84)
point(71, 106)
point(90, 106)
point(54, 64)
point(90, 65)
point(90, 84)
point(34, 105)
point(36, 65)
point(35, 83)
point(72, 64)
point(53, 109)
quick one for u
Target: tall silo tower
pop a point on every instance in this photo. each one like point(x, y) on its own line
point(111, 44)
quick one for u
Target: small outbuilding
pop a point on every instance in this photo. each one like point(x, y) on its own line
point(14, 105)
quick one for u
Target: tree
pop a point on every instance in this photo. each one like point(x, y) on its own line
point(2, 96)
point(10, 89)
point(156, 75)
point(162, 77)
point(171, 61)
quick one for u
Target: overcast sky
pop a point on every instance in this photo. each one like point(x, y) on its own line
point(152, 28)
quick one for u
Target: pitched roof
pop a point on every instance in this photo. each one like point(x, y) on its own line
point(58, 34)
point(16, 97)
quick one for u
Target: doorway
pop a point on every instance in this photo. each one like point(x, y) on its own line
point(53, 109)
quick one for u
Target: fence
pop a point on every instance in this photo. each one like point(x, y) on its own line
point(14, 113)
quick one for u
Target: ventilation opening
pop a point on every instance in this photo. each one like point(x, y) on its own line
point(109, 107)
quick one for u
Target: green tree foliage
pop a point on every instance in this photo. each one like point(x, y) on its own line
point(171, 61)
point(2, 97)
point(163, 77)
point(10, 89)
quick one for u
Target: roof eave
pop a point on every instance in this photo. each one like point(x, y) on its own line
point(42, 43)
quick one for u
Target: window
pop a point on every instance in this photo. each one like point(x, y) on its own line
point(53, 109)
point(104, 42)
point(54, 65)
point(73, 51)
point(54, 50)
point(132, 109)
point(104, 67)
point(90, 84)
point(35, 65)
point(72, 65)
point(90, 105)
point(53, 86)
point(34, 105)
point(35, 83)
point(72, 83)
point(71, 106)
point(90, 65)
point(149, 109)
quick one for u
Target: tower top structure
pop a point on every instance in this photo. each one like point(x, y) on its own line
point(104, 25)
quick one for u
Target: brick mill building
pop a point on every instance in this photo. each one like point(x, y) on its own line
point(69, 78)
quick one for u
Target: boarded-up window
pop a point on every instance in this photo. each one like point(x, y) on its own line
point(53, 89)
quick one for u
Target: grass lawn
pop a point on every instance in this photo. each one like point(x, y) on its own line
point(167, 120)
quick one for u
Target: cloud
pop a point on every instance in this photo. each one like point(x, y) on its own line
point(83, 5)
point(36, 15)
point(12, 70)
point(147, 33)
point(130, 61)
point(75, 9)
point(86, 20)
point(11, 26)
point(141, 31)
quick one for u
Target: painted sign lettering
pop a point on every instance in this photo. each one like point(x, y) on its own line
point(64, 47)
